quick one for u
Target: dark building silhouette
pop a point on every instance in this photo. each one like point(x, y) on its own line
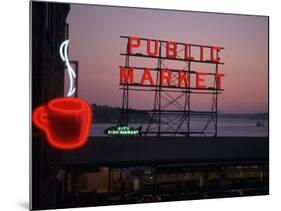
point(124, 170)
point(49, 30)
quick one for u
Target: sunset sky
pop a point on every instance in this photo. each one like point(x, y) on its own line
point(94, 33)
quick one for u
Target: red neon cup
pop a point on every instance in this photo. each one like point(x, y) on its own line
point(66, 122)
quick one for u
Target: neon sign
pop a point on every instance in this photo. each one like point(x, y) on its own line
point(172, 78)
point(123, 131)
point(180, 79)
point(172, 49)
point(71, 72)
point(66, 121)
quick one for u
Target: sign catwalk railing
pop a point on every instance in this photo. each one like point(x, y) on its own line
point(171, 113)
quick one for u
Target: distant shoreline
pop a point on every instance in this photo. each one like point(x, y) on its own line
point(104, 114)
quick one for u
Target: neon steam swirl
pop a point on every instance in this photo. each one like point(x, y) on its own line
point(70, 70)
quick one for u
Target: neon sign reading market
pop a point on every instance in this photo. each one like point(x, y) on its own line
point(171, 78)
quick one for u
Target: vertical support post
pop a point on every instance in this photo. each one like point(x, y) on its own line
point(216, 106)
point(188, 100)
point(127, 88)
point(127, 64)
point(158, 83)
point(157, 97)
point(124, 116)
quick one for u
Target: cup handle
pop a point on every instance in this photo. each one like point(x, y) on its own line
point(40, 119)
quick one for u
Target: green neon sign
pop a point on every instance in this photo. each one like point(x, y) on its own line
point(123, 131)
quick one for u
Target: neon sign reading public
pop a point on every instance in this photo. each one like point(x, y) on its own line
point(172, 78)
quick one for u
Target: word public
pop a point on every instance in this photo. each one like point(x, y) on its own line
point(172, 50)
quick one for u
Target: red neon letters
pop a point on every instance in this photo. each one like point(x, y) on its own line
point(183, 77)
point(213, 49)
point(126, 76)
point(188, 56)
point(219, 77)
point(133, 43)
point(167, 77)
point(65, 121)
point(147, 76)
point(156, 48)
point(173, 50)
point(199, 80)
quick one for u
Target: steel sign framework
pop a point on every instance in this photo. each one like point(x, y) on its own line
point(172, 112)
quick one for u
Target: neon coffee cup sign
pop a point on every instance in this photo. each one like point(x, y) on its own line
point(66, 121)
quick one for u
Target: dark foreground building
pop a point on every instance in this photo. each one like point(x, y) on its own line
point(49, 30)
point(145, 169)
